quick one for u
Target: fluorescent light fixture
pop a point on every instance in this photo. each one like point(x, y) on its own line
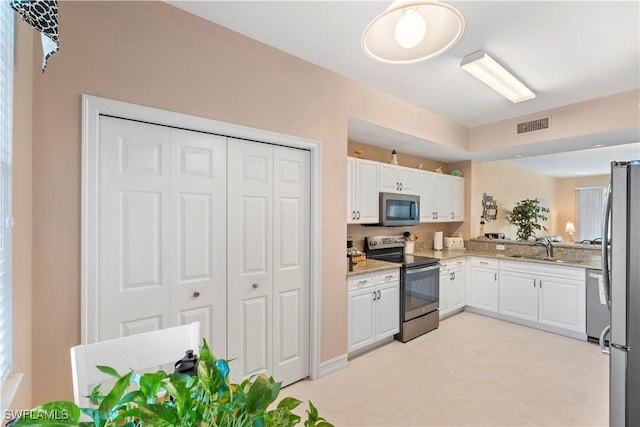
point(494, 75)
point(410, 31)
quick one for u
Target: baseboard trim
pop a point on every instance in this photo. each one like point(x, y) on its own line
point(546, 328)
point(333, 365)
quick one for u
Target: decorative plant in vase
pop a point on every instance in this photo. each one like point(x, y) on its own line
point(525, 216)
point(159, 399)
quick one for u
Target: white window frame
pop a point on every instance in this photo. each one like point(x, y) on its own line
point(8, 381)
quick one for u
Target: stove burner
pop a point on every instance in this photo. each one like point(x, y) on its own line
point(405, 260)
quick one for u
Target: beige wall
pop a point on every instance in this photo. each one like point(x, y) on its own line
point(22, 211)
point(508, 184)
point(124, 51)
point(613, 112)
point(565, 203)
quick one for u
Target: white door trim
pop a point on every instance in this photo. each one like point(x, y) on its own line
point(92, 108)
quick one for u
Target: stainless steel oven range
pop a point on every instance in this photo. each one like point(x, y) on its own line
point(419, 285)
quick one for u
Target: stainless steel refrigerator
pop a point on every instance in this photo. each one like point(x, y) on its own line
point(621, 274)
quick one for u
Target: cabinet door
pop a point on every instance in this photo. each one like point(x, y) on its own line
point(484, 289)
point(445, 291)
point(441, 198)
point(456, 202)
point(351, 209)
point(562, 303)
point(388, 176)
point(387, 310)
point(367, 192)
point(456, 295)
point(425, 189)
point(361, 319)
point(407, 180)
point(519, 295)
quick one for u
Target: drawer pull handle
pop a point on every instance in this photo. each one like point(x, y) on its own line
point(484, 263)
point(196, 294)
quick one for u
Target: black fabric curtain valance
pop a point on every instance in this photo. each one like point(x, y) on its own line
point(43, 16)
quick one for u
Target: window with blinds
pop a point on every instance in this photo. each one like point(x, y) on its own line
point(6, 221)
point(589, 209)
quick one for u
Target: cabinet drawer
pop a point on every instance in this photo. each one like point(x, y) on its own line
point(361, 281)
point(485, 262)
point(387, 276)
point(452, 264)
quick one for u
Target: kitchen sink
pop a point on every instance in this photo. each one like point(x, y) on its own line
point(544, 258)
point(560, 261)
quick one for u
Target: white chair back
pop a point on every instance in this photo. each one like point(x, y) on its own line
point(138, 352)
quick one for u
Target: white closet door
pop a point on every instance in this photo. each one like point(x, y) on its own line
point(134, 206)
point(250, 260)
point(198, 234)
point(291, 265)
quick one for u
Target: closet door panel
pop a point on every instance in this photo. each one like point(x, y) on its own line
point(133, 277)
point(291, 264)
point(198, 233)
point(250, 257)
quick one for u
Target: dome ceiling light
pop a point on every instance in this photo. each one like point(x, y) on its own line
point(412, 31)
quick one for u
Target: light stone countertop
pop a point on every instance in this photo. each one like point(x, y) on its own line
point(376, 265)
point(445, 255)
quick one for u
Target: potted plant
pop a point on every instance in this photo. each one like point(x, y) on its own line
point(159, 399)
point(525, 216)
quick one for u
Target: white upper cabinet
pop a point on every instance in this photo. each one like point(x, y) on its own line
point(456, 201)
point(425, 186)
point(362, 191)
point(397, 179)
point(441, 197)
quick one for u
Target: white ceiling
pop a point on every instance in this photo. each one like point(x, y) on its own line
point(565, 51)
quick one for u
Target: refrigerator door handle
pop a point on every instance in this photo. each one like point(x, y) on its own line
point(606, 277)
point(604, 348)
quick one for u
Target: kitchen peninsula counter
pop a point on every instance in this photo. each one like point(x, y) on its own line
point(593, 263)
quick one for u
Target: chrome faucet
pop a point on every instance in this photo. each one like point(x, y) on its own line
point(547, 245)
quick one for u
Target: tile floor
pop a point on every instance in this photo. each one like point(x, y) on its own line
point(471, 371)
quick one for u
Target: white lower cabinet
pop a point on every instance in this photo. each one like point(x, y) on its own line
point(547, 294)
point(452, 285)
point(484, 284)
point(374, 307)
point(518, 295)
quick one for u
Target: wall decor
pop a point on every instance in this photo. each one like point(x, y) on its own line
point(489, 207)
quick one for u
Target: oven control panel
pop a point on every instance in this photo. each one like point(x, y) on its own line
point(381, 242)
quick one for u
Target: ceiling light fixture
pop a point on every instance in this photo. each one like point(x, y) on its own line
point(494, 75)
point(412, 31)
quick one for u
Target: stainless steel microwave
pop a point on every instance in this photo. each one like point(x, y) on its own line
point(398, 210)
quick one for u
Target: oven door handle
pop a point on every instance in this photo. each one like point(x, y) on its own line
point(420, 270)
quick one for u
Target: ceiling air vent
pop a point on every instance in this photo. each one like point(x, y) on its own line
point(533, 126)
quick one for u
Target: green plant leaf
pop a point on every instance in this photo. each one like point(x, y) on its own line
point(109, 371)
point(289, 403)
point(158, 415)
point(260, 394)
point(110, 403)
